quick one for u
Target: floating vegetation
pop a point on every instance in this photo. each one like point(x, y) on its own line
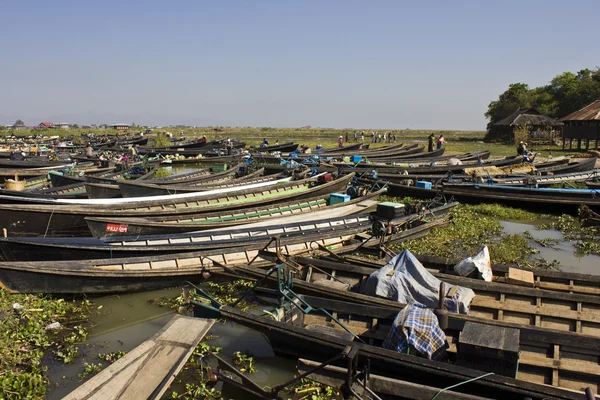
point(111, 357)
point(162, 173)
point(585, 238)
point(245, 361)
point(503, 212)
point(472, 226)
point(307, 389)
point(229, 292)
point(547, 242)
point(195, 374)
point(30, 327)
point(90, 369)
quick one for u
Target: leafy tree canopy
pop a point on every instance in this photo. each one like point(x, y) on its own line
point(564, 94)
point(19, 122)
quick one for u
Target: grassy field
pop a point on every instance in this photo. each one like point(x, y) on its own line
point(456, 141)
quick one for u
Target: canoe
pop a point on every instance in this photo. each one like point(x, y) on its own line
point(407, 157)
point(69, 220)
point(120, 275)
point(576, 166)
point(314, 335)
point(592, 184)
point(285, 147)
point(147, 371)
point(325, 221)
point(102, 191)
point(37, 162)
point(563, 200)
point(192, 222)
point(569, 312)
point(144, 189)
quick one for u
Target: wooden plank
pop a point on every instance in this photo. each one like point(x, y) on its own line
point(147, 371)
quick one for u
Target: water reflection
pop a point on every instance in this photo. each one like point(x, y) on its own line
point(564, 252)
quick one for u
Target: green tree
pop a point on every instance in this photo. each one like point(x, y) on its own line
point(19, 122)
point(564, 94)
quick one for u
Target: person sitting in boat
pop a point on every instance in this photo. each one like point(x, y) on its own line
point(277, 142)
point(319, 147)
point(265, 142)
point(529, 156)
point(17, 156)
point(522, 149)
point(89, 152)
point(203, 140)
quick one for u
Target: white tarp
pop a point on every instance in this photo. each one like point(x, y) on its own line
point(480, 262)
point(406, 280)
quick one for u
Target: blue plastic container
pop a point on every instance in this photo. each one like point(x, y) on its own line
point(423, 184)
point(356, 159)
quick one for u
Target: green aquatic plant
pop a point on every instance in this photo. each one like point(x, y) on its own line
point(245, 361)
point(309, 389)
point(502, 212)
point(586, 238)
point(162, 173)
point(32, 326)
point(90, 369)
point(111, 357)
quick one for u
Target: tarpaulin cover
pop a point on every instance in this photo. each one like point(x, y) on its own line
point(417, 326)
point(406, 280)
point(480, 262)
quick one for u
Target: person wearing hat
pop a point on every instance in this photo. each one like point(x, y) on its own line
point(522, 149)
point(340, 141)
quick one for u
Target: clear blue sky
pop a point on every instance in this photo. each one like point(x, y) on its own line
point(364, 64)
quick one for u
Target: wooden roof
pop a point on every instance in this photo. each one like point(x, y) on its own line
point(527, 116)
point(591, 112)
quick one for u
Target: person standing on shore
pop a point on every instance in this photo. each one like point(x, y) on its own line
point(431, 142)
point(440, 142)
point(362, 137)
point(355, 137)
point(346, 136)
point(340, 141)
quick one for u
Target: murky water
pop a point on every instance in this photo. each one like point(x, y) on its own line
point(120, 323)
point(564, 252)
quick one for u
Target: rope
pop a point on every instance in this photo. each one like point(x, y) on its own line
point(461, 383)
point(49, 219)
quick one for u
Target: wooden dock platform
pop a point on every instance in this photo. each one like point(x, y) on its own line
point(147, 371)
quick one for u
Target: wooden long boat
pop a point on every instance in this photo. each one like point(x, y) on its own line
point(144, 273)
point(408, 157)
point(75, 191)
point(69, 220)
point(143, 189)
point(324, 222)
point(147, 371)
point(64, 180)
point(471, 156)
point(570, 312)
point(284, 148)
point(102, 191)
point(592, 184)
point(564, 200)
point(575, 166)
point(552, 364)
point(29, 163)
point(189, 223)
point(218, 182)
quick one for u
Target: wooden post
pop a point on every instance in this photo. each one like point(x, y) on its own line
point(571, 144)
point(587, 144)
point(4, 232)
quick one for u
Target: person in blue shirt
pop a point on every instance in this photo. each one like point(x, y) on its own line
point(265, 142)
point(319, 147)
